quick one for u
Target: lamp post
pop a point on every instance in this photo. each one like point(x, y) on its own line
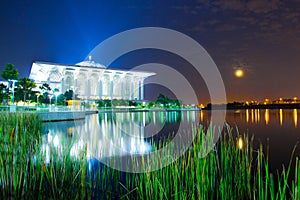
point(37, 98)
point(12, 106)
point(56, 94)
point(50, 97)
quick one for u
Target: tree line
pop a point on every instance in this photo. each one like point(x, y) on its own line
point(26, 90)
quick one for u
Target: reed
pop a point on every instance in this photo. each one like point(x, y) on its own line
point(234, 169)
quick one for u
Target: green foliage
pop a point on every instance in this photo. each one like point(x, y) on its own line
point(55, 90)
point(166, 102)
point(19, 141)
point(24, 88)
point(228, 171)
point(10, 72)
point(3, 92)
point(104, 103)
point(68, 94)
point(45, 87)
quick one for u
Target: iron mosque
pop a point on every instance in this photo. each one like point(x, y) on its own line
point(91, 80)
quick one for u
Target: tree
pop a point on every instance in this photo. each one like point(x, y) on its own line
point(24, 87)
point(10, 72)
point(3, 92)
point(162, 99)
point(44, 98)
point(45, 87)
point(68, 94)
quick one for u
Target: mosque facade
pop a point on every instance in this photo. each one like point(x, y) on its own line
point(90, 80)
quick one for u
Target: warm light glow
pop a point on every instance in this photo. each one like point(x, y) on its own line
point(201, 115)
point(266, 101)
point(247, 115)
point(295, 116)
point(239, 73)
point(280, 117)
point(267, 116)
point(240, 143)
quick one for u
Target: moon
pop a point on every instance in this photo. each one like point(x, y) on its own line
point(239, 73)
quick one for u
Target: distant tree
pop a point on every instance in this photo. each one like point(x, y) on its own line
point(10, 72)
point(3, 92)
point(55, 90)
point(162, 99)
point(45, 87)
point(68, 94)
point(24, 88)
point(61, 99)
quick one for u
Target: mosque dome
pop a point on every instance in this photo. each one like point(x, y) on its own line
point(90, 63)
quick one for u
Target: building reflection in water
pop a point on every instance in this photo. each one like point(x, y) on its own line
point(295, 117)
point(280, 117)
point(247, 115)
point(110, 134)
point(277, 114)
point(267, 116)
point(252, 116)
point(241, 143)
point(201, 115)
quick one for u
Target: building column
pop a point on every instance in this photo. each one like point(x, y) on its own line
point(111, 90)
point(142, 89)
point(88, 89)
point(136, 89)
point(131, 93)
point(122, 82)
point(62, 85)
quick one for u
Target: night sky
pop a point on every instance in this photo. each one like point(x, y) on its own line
point(261, 37)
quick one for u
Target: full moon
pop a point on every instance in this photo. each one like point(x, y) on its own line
point(239, 73)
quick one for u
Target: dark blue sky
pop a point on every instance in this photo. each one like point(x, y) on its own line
point(262, 36)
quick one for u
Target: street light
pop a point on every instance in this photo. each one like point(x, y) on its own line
point(50, 97)
point(37, 98)
point(13, 89)
point(12, 106)
point(56, 93)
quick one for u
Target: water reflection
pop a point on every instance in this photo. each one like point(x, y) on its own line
point(126, 133)
point(280, 117)
point(240, 143)
point(295, 116)
point(111, 134)
point(267, 116)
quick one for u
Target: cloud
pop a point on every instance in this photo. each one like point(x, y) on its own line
point(198, 28)
point(262, 6)
point(233, 5)
point(226, 27)
point(225, 42)
point(256, 6)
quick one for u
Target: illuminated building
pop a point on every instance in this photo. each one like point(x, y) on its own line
point(90, 80)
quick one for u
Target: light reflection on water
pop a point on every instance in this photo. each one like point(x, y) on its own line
point(126, 133)
point(111, 134)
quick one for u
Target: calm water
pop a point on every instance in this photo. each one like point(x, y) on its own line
point(120, 134)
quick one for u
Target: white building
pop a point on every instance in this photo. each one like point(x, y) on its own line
point(90, 80)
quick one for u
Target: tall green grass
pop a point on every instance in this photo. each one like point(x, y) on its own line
point(232, 170)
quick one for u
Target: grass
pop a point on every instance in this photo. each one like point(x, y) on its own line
point(232, 170)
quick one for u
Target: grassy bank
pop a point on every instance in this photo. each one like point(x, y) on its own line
point(233, 170)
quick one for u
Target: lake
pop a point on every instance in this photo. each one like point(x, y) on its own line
point(112, 134)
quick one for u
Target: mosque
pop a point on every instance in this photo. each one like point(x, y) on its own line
point(91, 80)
